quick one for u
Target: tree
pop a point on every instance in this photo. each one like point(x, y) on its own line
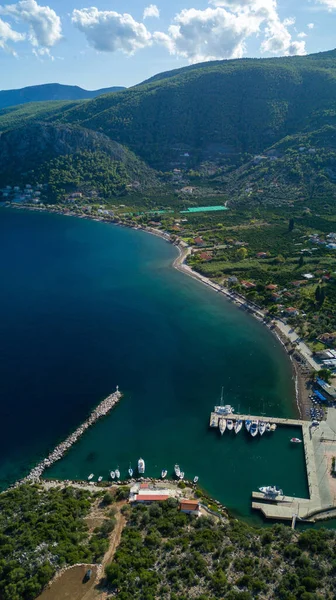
point(291, 224)
point(301, 261)
point(241, 253)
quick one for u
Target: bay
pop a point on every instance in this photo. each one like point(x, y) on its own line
point(86, 306)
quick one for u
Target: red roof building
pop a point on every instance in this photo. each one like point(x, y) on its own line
point(271, 287)
point(150, 497)
point(189, 506)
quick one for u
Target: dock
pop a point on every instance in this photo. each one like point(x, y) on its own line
point(319, 444)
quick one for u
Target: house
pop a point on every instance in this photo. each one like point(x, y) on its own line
point(262, 255)
point(205, 256)
point(271, 287)
point(299, 283)
point(291, 311)
point(276, 297)
point(247, 285)
point(149, 498)
point(190, 507)
point(328, 338)
point(233, 280)
point(198, 241)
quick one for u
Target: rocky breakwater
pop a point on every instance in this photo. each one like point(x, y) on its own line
point(100, 411)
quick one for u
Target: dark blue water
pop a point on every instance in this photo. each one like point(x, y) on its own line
point(85, 306)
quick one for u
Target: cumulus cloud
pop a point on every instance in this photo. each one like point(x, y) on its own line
point(311, 25)
point(108, 31)
point(45, 27)
point(151, 11)
point(301, 35)
point(222, 30)
point(7, 34)
point(329, 4)
point(208, 34)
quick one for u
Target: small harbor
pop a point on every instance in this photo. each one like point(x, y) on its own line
point(319, 441)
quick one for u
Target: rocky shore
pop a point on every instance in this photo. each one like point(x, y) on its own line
point(100, 411)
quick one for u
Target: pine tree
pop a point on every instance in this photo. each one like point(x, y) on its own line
point(291, 224)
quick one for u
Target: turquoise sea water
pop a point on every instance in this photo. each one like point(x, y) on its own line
point(86, 306)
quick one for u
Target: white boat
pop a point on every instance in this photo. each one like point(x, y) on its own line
point(262, 427)
point(296, 441)
point(177, 470)
point(130, 471)
point(273, 427)
point(117, 473)
point(268, 427)
point(195, 480)
point(254, 428)
point(248, 424)
point(141, 466)
point(100, 478)
point(91, 476)
point(229, 424)
point(112, 474)
point(164, 473)
point(271, 490)
point(223, 409)
point(238, 425)
point(222, 425)
point(181, 475)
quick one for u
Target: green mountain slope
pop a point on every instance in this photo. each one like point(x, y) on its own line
point(70, 158)
point(49, 91)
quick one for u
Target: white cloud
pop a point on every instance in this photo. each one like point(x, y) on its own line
point(44, 24)
point(329, 4)
point(151, 11)
point(311, 25)
point(222, 32)
point(108, 31)
point(208, 34)
point(302, 35)
point(7, 34)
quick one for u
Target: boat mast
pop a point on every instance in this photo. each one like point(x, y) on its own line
point(222, 397)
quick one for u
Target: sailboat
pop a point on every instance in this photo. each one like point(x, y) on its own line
point(248, 424)
point(223, 409)
point(254, 428)
point(229, 424)
point(262, 427)
point(222, 425)
point(117, 473)
point(112, 474)
point(238, 425)
point(177, 471)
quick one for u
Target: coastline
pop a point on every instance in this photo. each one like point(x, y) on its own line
point(300, 355)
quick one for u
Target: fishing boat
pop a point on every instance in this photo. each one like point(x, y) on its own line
point(296, 441)
point(268, 427)
point(195, 480)
point(271, 490)
point(262, 427)
point(222, 425)
point(117, 473)
point(112, 474)
point(100, 478)
point(141, 466)
point(91, 476)
point(177, 470)
point(248, 424)
point(164, 473)
point(273, 427)
point(181, 475)
point(254, 428)
point(238, 425)
point(130, 471)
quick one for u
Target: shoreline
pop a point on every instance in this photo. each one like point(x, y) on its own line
point(304, 362)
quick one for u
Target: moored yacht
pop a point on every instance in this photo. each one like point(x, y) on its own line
point(271, 490)
point(238, 425)
point(91, 476)
point(164, 473)
point(273, 427)
point(130, 471)
point(177, 470)
point(296, 440)
point(195, 480)
point(100, 478)
point(262, 427)
point(112, 474)
point(117, 473)
point(222, 425)
point(181, 475)
point(248, 424)
point(268, 427)
point(229, 424)
point(141, 466)
point(254, 428)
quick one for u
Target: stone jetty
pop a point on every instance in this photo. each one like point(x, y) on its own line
point(100, 411)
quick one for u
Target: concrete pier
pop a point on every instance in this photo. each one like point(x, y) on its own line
point(319, 446)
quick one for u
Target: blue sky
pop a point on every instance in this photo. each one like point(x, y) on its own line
point(122, 42)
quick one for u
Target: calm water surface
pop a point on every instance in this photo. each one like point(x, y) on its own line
point(85, 306)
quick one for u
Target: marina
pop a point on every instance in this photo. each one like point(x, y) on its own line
point(319, 441)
